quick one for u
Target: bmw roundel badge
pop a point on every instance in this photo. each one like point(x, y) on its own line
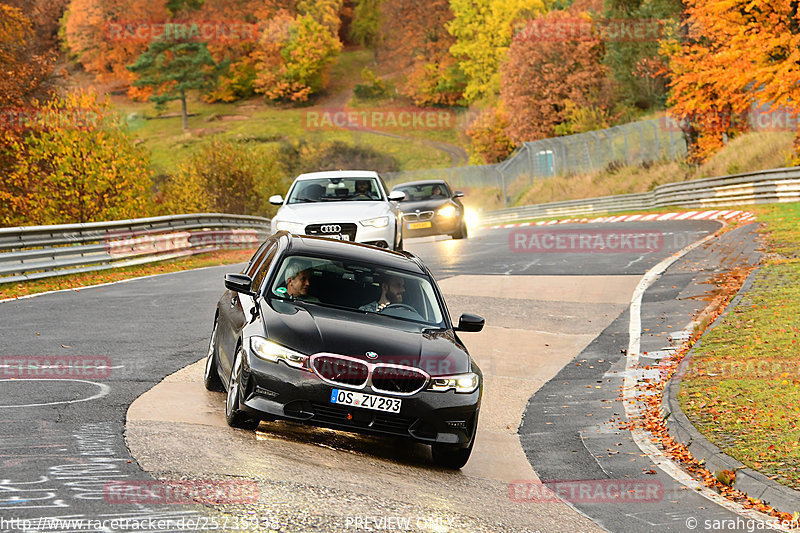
point(372, 355)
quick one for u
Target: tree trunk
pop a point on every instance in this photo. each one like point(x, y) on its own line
point(184, 113)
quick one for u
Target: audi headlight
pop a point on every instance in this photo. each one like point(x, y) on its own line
point(448, 211)
point(464, 383)
point(275, 353)
point(380, 222)
point(291, 227)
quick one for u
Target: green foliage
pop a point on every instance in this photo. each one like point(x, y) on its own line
point(223, 177)
point(636, 66)
point(373, 87)
point(580, 119)
point(237, 83)
point(365, 28)
point(172, 68)
point(483, 30)
point(73, 164)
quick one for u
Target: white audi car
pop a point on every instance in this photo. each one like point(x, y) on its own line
point(349, 205)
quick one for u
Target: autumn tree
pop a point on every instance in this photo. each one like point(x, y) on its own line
point(172, 69)
point(296, 52)
point(223, 177)
point(640, 73)
point(544, 76)
point(73, 163)
point(105, 37)
point(490, 142)
point(720, 70)
point(366, 23)
point(483, 30)
point(23, 65)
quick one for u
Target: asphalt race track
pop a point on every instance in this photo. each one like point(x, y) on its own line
point(552, 354)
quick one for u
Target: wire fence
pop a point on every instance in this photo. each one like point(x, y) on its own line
point(635, 143)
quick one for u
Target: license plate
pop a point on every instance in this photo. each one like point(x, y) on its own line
point(419, 225)
point(338, 237)
point(367, 401)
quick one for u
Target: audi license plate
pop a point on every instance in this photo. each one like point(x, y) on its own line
point(367, 401)
point(338, 237)
point(419, 225)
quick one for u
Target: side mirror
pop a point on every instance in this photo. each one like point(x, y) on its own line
point(276, 199)
point(470, 323)
point(239, 283)
point(458, 194)
point(397, 196)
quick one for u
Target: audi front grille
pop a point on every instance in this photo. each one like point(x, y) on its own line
point(333, 228)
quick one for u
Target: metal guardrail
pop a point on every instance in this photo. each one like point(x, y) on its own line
point(35, 252)
point(768, 186)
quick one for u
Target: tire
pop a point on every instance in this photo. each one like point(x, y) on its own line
point(399, 247)
point(462, 231)
point(235, 417)
point(211, 375)
point(452, 457)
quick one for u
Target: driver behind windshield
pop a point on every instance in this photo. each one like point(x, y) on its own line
point(392, 289)
point(363, 189)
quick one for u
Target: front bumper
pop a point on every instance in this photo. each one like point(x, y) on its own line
point(382, 237)
point(439, 226)
point(274, 390)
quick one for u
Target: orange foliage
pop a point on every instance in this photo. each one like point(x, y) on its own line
point(103, 52)
point(735, 55)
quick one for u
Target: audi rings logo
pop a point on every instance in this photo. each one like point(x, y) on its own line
point(331, 228)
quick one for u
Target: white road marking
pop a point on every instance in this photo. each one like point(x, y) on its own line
point(641, 437)
point(104, 390)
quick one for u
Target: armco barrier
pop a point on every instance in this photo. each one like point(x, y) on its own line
point(36, 252)
point(768, 186)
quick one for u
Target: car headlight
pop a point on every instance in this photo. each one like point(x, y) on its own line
point(380, 222)
point(464, 383)
point(291, 227)
point(448, 211)
point(269, 351)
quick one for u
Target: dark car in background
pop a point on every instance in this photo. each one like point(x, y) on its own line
point(347, 336)
point(431, 208)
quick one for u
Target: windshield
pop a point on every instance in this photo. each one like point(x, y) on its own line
point(335, 189)
point(427, 191)
point(358, 287)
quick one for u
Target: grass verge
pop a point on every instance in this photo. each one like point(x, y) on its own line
point(71, 281)
point(742, 390)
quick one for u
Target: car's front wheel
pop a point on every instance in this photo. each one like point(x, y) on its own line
point(211, 376)
point(236, 417)
point(461, 232)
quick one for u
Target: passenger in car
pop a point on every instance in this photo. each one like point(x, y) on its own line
point(392, 290)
